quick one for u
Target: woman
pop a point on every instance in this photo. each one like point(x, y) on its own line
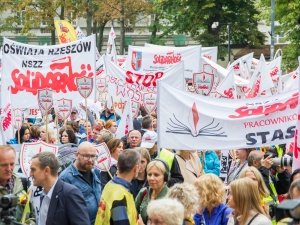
point(34, 133)
point(111, 126)
point(141, 180)
point(189, 164)
point(165, 212)
point(51, 135)
point(210, 162)
point(252, 173)
point(188, 196)
point(105, 136)
point(245, 200)
point(115, 146)
point(237, 166)
point(24, 136)
point(88, 130)
point(68, 136)
point(212, 197)
point(157, 175)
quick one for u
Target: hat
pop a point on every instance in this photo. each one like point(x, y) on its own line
point(149, 139)
point(74, 110)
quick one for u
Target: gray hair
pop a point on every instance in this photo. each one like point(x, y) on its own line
point(295, 184)
point(48, 159)
point(170, 210)
point(127, 160)
point(253, 157)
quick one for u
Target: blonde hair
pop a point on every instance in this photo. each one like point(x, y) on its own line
point(246, 197)
point(51, 134)
point(158, 164)
point(211, 191)
point(262, 188)
point(187, 195)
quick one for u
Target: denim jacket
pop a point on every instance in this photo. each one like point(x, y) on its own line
point(90, 193)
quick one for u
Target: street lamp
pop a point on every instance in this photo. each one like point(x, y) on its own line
point(215, 25)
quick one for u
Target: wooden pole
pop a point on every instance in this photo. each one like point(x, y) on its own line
point(47, 139)
point(86, 118)
point(107, 170)
point(57, 128)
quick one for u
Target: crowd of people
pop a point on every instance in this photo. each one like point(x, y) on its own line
point(144, 185)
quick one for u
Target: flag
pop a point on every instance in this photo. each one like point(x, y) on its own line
point(126, 123)
point(227, 87)
point(111, 52)
point(65, 31)
point(7, 130)
point(290, 81)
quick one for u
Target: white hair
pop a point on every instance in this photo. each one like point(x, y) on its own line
point(170, 210)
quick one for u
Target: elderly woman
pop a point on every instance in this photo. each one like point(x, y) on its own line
point(165, 212)
point(157, 175)
point(212, 197)
point(189, 164)
point(51, 135)
point(244, 198)
point(188, 196)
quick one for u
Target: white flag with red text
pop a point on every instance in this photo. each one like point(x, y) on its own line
point(111, 52)
point(126, 122)
point(7, 128)
point(227, 87)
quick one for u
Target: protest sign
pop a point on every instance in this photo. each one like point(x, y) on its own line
point(64, 107)
point(103, 161)
point(18, 118)
point(45, 99)
point(65, 31)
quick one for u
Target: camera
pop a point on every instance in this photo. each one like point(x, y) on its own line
point(9, 201)
point(8, 204)
point(282, 161)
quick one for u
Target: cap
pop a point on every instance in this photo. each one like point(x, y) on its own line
point(149, 139)
point(74, 110)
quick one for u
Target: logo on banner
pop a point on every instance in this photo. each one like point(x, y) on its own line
point(193, 125)
point(101, 84)
point(136, 60)
point(135, 107)
point(28, 150)
point(203, 82)
point(150, 102)
point(64, 107)
point(18, 117)
point(45, 99)
point(103, 161)
point(84, 86)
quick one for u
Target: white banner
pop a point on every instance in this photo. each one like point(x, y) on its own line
point(29, 68)
point(202, 123)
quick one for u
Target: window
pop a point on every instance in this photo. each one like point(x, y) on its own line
point(21, 18)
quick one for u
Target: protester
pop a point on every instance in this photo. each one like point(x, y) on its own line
point(74, 115)
point(88, 130)
point(105, 136)
point(134, 139)
point(157, 175)
point(141, 180)
point(24, 136)
point(213, 209)
point(109, 114)
point(61, 202)
point(154, 121)
point(210, 162)
point(245, 200)
point(34, 133)
point(82, 175)
point(96, 133)
point(117, 203)
point(115, 147)
point(51, 135)
point(189, 164)
point(165, 212)
point(294, 176)
point(146, 124)
point(294, 190)
point(68, 136)
point(111, 126)
point(188, 196)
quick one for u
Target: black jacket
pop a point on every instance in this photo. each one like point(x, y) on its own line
point(105, 177)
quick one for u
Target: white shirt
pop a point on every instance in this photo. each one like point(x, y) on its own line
point(45, 205)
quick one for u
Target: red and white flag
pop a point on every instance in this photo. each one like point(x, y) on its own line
point(227, 87)
point(111, 52)
point(290, 81)
point(7, 130)
point(126, 122)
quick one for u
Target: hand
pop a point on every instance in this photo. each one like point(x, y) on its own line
point(280, 169)
point(140, 220)
point(267, 162)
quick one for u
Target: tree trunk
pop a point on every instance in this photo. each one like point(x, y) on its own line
point(89, 18)
point(122, 29)
point(154, 29)
point(100, 40)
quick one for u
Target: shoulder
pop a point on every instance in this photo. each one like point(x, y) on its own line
point(262, 220)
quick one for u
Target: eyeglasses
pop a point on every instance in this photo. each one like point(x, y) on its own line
point(96, 133)
point(88, 157)
point(115, 125)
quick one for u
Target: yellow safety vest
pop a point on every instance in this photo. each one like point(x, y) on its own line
point(167, 156)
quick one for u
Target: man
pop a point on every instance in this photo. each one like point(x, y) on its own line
point(134, 139)
point(61, 202)
point(117, 205)
point(74, 115)
point(149, 141)
point(108, 114)
point(82, 175)
point(11, 183)
point(146, 124)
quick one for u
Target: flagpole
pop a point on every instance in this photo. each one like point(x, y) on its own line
point(158, 118)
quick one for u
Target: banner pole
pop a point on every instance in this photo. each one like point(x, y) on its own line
point(57, 130)
point(19, 134)
point(113, 106)
point(107, 170)
point(86, 117)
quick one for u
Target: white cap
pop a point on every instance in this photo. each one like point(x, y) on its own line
point(149, 139)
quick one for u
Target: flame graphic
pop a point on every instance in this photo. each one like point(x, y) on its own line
point(195, 116)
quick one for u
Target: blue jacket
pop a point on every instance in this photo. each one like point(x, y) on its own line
point(211, 163)
point(90, 193)
point(219, 216)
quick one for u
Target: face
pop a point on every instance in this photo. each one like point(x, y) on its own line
point(96, 133)
point(37, 174)
point(87, 127)
point(154, 123)
point(155, 178)
point(26, 135)
point(43, 134)
point(296, 193)
point(65, 138)
point(134, 139)
point(85, 158)
point(230, 200)
point(113, 128)
point(143, 165)
point(252, 176)
point(157, 220)
point(7, 164)
point(241, 154)
point(74, 116)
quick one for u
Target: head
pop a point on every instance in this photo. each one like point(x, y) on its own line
point(111, 125)
point(294, 190)
point(147, 123)
point(165, 212)
point(145, 158)
point(44, 166)
point(243, 153)
point(252, 173)
point(74, 125)
point(156, 174)
point(88, 127)
point(129, 162)
point(96, 132)
point(254, 158)
point(187, 195)
point(211, 191)
point(24, 134)
point(51, 135)
point(74, 114)
point(7, 162)
point(149, 140)
point(34, 132)
point(244, 196)
point(115, 146)
point(85, 156)
point(68, 136)
point(134, 138)
point(295, 175)
point(100, 122)
point(105, 136)
point(154, 120)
